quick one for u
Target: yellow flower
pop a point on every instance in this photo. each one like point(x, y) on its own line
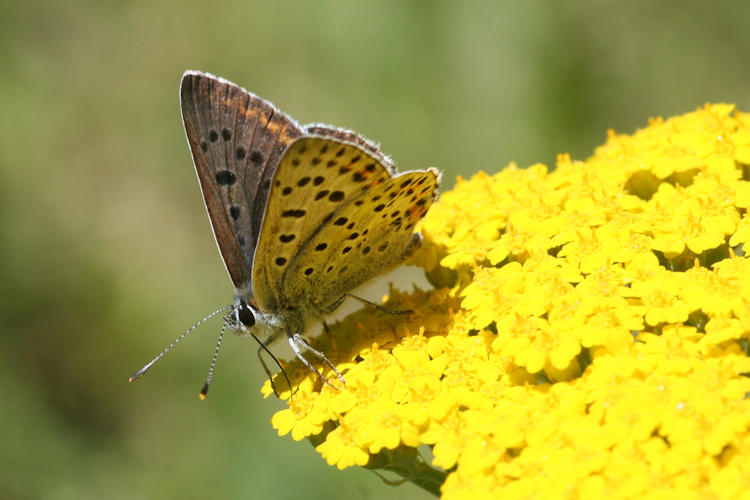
point(341, 449)
point(588, 334)
point(661, 298)
point(305, 416)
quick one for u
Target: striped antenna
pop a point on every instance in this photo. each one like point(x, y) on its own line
point(148, 365)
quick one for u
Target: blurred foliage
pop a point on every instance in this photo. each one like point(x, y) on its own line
point(106, 252)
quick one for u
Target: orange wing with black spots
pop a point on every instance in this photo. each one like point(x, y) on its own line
point(336, 217)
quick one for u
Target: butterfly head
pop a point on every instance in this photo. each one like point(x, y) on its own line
point(248, 320)
point(242, 317)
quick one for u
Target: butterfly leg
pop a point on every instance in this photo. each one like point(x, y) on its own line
point(372, 304)
point(263, 346)
point(297, 343)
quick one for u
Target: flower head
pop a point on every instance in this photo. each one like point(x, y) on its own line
point(588, 333)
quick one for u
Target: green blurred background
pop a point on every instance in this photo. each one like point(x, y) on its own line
point(106, 252)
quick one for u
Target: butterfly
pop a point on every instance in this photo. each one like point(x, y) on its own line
point(302, 215)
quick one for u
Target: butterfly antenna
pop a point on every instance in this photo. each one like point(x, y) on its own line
point(148, 365)
point(202, 394)
point(268, 372)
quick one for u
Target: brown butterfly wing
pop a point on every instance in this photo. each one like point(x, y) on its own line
point(237, 140)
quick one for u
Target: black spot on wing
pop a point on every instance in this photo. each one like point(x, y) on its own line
point(336, 196)
point(225, 178)
point(296, 213)
point(256, 157)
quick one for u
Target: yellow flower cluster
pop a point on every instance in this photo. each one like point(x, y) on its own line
point(587, 336)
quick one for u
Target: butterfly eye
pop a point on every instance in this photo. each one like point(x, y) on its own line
point(245, 315)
